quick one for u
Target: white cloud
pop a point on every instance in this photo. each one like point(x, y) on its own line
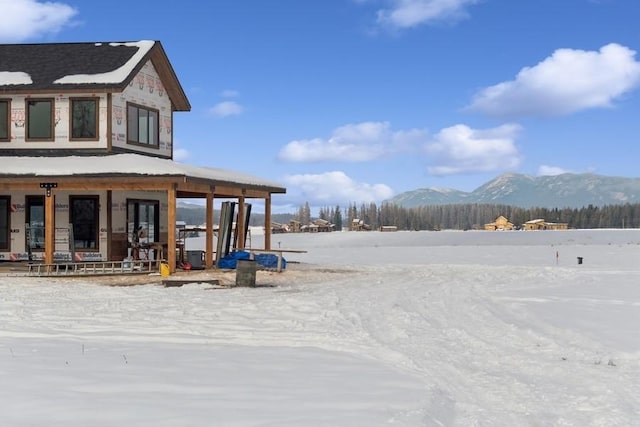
point(333, 188)
point(545, 170)
point(25, 19)
point(566, 82)
point(226, 109)
point(411, 13)
point(359, 142)
point(460, 149)
point(180, 154)
point(229, 93)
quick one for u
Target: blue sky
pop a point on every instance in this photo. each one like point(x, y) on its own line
point(354, 101)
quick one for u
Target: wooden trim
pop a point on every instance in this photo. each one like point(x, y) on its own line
point(209, 233)
point(267, 223)
point(109, 225)
point(171, 227)
point(240, 223)
point(109, 124)
point(49, 227)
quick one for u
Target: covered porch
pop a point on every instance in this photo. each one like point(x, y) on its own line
point(113, 177)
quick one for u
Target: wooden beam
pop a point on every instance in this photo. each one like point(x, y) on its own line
point(267, 223)
point(87, 184)
point(171, 227)
point(109, 224)
point(209, 223)
point(233, 192)
point(241, 232)
point(50, 227)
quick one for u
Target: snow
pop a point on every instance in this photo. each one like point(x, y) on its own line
point(14, 78)
point(130, 164)
point(115, 76)
point(365, 329)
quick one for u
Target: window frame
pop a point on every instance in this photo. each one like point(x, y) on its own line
point(52, 123)
point(29, 202)
point(8, 120)
point(96, 223)
point(156, 128)
point(134, 218)
point(6, 245)
point(96, 118)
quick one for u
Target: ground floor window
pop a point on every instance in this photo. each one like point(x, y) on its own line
point(85, 217)
point(5, 223)
point(143, 218)
point(34, 211)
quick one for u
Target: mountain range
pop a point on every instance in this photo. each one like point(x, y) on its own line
point(559, 191)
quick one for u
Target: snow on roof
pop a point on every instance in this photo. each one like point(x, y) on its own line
point(122, 164)
point(115, 76)
point(535, 221)
point(14, 78)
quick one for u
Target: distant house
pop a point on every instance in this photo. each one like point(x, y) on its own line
point(318, 226)
point(359, 225)
point(87, 146)
point(541, 224)
point(388, 228)
point(501, 223)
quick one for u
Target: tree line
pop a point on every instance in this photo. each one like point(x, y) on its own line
point(473, 216)
point(439, 217)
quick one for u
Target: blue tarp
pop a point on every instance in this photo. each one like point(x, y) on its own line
point(263, 260)
point(269, 261)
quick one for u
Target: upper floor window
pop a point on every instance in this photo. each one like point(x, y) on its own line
point(142, 125)
point(40, 121)
point(5, 110)
point(84, 118)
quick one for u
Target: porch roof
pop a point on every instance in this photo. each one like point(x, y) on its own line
point(127, 165)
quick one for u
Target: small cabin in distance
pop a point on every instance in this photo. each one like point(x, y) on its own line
point(501, 223)
point(541, 224)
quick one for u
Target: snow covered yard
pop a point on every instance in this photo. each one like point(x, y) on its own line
point(366, 329)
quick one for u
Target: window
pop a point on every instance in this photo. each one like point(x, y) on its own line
point(35, 223)
point(5, 109)
point(84, 217)
point(40, 119)
point(145, 214)
point(5, 223)
point(84, 118)
point(142, 125)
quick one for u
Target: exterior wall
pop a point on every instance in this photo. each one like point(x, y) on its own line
point(147, 90)
point(18, 250)
point(62, 129)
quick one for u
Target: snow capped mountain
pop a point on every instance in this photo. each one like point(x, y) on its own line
point(566, 190)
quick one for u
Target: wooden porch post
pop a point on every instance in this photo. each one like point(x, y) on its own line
point(171, 227)
point(267, 222)
point(209, 223)
point(49, 227)
point(240, 223)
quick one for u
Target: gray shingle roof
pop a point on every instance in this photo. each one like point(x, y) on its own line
point(45, 63)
